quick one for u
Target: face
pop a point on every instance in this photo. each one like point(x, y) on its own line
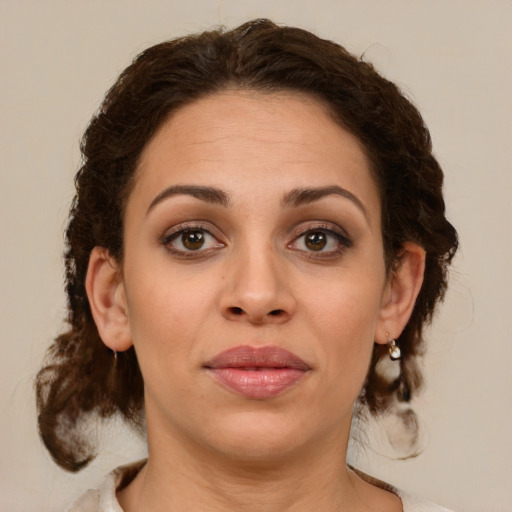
point(253, 275)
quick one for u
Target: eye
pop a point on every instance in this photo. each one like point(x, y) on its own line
point(316, 240)
point(320, 240)
point(191, 239)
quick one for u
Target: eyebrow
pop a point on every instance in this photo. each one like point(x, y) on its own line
point(294, 198)
point(209, 194)
point(300, 196)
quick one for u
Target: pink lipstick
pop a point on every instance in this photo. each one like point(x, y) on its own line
point(257, 372)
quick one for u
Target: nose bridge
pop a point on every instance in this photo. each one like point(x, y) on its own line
point(257, 290)
point(257, 276)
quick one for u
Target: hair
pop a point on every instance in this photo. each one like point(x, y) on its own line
point(81, 377)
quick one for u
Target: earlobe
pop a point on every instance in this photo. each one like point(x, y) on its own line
point(402, 290)
point(106, 294)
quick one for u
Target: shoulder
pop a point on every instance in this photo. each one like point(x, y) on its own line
point(416, 504)
point(87, 502)
point(104, 498)
point(410, 503)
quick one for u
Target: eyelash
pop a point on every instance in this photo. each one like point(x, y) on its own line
point(342, 241)
point(182, 229)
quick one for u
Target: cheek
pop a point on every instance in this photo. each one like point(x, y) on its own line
point(168, 312)
point(346, 306)
point(345, 319)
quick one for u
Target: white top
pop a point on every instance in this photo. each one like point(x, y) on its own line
point(104, 499)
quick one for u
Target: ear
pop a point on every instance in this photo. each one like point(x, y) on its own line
point(404, 284)
point(106, 294)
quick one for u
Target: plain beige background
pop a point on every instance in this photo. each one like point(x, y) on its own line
point(453, 58)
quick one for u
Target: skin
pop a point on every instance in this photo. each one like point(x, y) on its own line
point(254, 282)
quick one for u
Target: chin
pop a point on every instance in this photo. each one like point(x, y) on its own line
point(260, 437)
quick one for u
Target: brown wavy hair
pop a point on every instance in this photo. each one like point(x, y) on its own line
point(81, 377)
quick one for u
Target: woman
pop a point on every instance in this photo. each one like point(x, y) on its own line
point(258, 228)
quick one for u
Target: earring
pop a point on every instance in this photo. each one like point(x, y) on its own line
point(393, 349)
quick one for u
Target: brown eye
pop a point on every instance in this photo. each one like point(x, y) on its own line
point(192, 240)
point(324, 241)
point(315, 240)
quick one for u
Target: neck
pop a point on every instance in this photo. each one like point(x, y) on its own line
point(183, 477)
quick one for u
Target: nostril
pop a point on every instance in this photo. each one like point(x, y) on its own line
point(236, 310)
point(276, 312)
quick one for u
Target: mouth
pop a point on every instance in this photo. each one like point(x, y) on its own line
point(257, 372)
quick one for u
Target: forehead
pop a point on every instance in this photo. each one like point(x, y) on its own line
point(282, 117)
point(250, 141)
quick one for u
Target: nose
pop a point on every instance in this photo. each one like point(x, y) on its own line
point(257, 290)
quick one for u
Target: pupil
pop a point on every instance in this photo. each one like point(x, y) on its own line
point(316, 240)
point(193, 240)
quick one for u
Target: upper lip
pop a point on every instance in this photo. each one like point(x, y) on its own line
point(245, 356)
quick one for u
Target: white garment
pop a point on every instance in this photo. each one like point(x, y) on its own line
point(104, 499)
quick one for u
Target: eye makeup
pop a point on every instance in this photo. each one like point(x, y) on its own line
point(322, 241)
point(191, 240)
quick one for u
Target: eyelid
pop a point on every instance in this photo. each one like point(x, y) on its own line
point(190, 226)
point(174, 232)
point(331, 229)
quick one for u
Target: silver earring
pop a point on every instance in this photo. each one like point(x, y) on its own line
point(393, 349)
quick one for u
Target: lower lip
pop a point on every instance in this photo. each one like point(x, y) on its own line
point(258, 384)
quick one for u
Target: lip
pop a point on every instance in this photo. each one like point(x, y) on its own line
point(257, 372)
